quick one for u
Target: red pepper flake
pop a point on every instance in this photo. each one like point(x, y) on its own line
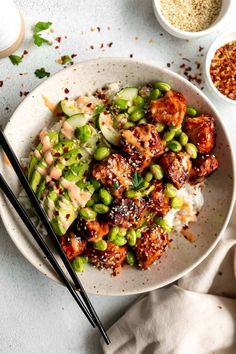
point(66, 90)
point(110, 44)
point(58, 39)
point(161, 34)
point(67, 216)
point(60, 191)
point(7, 108)
point(89, 105)
point(56, 212)
point(65, 98)
point(1, 83)
point(131, 55)
point(56, 47)
point(73, 55)
point(200, 49)
point(168, 65)
point(91, 47)
point(25, 52)
point(25, 93)
point(182, 66)
point(66, 149)
point(57, 185)
point(101, 45)
point(187, 59)
point(99, 29)
point(223, 70)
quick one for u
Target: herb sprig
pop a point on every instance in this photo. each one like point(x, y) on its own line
point(39, 27)
point(137, 181)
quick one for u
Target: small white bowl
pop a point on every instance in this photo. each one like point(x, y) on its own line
point(190, 35)
point(224, 38)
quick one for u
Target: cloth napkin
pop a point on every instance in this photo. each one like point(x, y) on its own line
point(196, 316)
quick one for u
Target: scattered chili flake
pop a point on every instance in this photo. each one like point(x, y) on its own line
point(168, 65)
point(56, 212)
point(187, 59)
point(200, 48)
point(99, 29)
point(73, 55)
point(56, 47)
point(67, 216)
point(220, 273)
point(58, 39)
point(131, 55)
point(91, 47)
point(25, 52)
point(7, 108)
point(66, 90)
point(161, 34)
point(110, 44)
point(1, 83)
point(89, 104)
point(66, 149)
point(101, 45)
point(25, 93)
point(223, 70)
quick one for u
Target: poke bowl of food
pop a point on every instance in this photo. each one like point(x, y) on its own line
point(133, 168)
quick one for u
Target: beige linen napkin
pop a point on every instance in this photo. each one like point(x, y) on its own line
point(197, 316)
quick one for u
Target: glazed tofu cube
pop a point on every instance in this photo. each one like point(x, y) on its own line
point(92, 230)
point(176, 167)
point(150, 246)
point(159, 203)
point(202, 167)
point(72, 244)
point(141, 144)
point(201, 132)
point(169, 110)
point(114, 173)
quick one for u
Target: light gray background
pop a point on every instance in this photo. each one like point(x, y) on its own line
point(37, 315)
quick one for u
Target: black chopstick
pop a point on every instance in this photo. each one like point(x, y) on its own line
point(36, 235)
point(44, 219)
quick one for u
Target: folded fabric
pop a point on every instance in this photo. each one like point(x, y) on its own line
point(197, 316)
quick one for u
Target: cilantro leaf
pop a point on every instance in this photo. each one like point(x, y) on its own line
point(41, 73)
point(15, 59)
point(41, 26)
point(137, 181)
point(38, 40)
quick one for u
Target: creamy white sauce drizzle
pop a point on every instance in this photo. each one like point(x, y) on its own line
point(55, 173)
point(51, 209)
point(67, 130)
point(37, 154)
point(77, 195)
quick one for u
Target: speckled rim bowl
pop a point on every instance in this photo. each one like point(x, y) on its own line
point(224, 38)
point(32, 115)
point(190, 35)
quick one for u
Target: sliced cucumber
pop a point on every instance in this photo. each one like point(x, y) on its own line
point(107, 129)
point(78, 120)
point(127, 93)
point(69, 107)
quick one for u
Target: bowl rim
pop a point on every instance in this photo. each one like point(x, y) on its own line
point(182, 33)
point(210, 53)
point(174, 278)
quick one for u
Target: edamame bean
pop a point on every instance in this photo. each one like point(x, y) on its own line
point(119, 240)
point(176, 203)
point(177, 130)
point(138, 101)
point(191, 149)
point(130, 258)
point(155, 93)
point(122, 231)
point(128, 125)
point(160, 127)
point(96, 197)
point(101, 153)
point(100, 245)
point(133, 194)
point(95, 183)
point(132, 109)
point(148, 191)
point(90, 203)
point(191, 112)
point(148, 177)
point(138, 233)
point(162, 86)
point(105, 196)
point(175, 146)
point(142, 121)
point(183, 139)
point(131, 237)
point(87, 213)
point(79, 262)
point(168, 136)
point(163, 223)
point(170, 190)
point(100, 208)
point(113, 232)
point(121, 103)
point(121, 117)
point(83, 133)
point(157, 171)
point(145, 185)
point(137, 115)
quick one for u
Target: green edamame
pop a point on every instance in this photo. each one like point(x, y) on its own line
point(87, 213)
point(162, 86)
point(160, 127)
point(132, 109)
point(170, 190)
point(157, 171)
point(113, 232)
point(133, 194)
point(131, 237)
point(155, 93)
point(183, 139)
point(101, 153)
point(105, 196)
point(163, 223)
point(138, 101)
point(148, 191)
point(148, 177)
point(100, 245)
point(121, 103)
point(168, 136)
point(128, 125)
point(142, 121)
point(130, 258)
point(83, 133)
point(100, 208)
point(191, 150)
point(191, 112)
point(176, 203)
point(119, 240)
point(175, 146)
point(90, 203)
point(122, 231)
point(95, 183)
point(138, 233)
point(138, 114)
point(79, 262)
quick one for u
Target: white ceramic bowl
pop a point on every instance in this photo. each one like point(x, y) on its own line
point(190, 35)
point(32, 115)
point(224, 38)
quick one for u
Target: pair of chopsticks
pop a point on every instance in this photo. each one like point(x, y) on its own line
point(80, 297)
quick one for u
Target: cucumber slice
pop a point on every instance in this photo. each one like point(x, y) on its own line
point(69, 107)
point(127, 93)
point(78, 120)
point(106, 126)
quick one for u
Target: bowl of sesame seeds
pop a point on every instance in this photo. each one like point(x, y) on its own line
point(189, 19)
point(220, 67)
